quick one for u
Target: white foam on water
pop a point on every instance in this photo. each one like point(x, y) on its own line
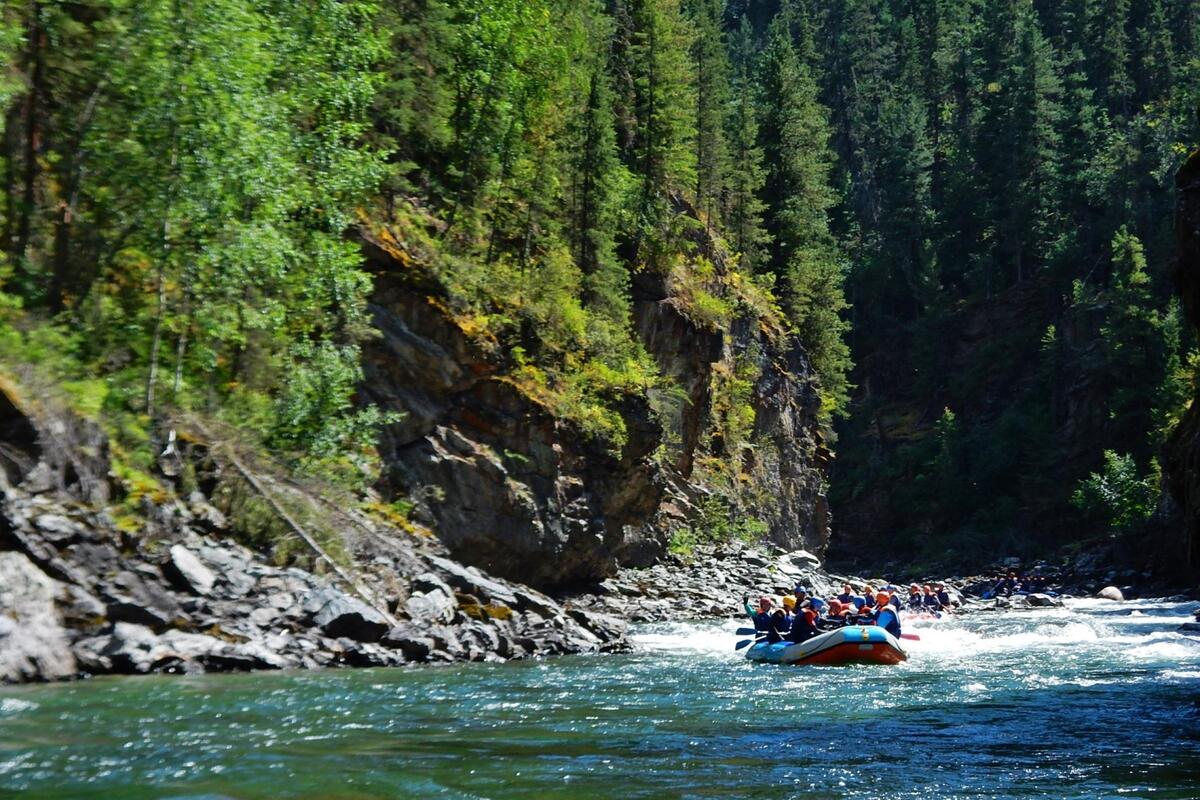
point(12, 705)
point(1182, 674)
point(690, 638)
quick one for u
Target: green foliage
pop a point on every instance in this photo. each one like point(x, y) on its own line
point(718, 522)
point(1119, 495)
point(181, 180)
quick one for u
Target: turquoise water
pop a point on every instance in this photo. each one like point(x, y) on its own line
point(1100, 700)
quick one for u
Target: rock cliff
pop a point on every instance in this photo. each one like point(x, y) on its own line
point(513, 489)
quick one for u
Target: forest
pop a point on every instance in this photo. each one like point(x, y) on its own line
point(962, 209)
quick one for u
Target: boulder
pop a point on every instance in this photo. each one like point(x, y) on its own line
point(186, 571)
point(801, 559)
point(130, 598)
point(1190, 628)
point(338, 614)
point(33, 643)
point(605, 628)
point(410, 641)
point(1110, 593)
point(469, 580)
point(1039, 600)
point(432, 603)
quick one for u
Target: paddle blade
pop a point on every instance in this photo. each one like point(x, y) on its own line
point(746, 631)
point(743, 643)
point(912, 637)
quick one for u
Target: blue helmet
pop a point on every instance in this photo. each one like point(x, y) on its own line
point(817, 603)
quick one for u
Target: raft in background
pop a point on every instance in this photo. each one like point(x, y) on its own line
point(853, 644)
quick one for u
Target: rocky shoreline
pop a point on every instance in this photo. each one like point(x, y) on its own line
point(85, 592)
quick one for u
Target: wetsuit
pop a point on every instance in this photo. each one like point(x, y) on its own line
point(931, 603)
point(845, 598)
point(915, 602)
point(944, 598)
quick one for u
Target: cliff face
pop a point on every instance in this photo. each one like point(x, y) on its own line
point(504, 483)
point(513, 489)
point(1181, 454)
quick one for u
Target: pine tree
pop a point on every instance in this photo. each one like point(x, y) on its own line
point(711, 59)
point(1108, 38)
point(743, 206)
point(597, 186)
point(665, 114)
point(806, 260)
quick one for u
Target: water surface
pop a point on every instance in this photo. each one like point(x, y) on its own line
point(1098, 700)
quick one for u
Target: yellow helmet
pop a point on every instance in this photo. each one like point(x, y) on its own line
point(789, 601)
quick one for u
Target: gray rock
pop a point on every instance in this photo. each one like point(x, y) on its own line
point(338, 614)
point(57, 529)
point(410, 642)
point(33, 643)
point(605, 628)
point(471, 581)
point(131, 598)
point(1190, 628)
point(434, 606)
point(1039, 600)
point(189, 572)
point(1110, 593)
point(801, 559)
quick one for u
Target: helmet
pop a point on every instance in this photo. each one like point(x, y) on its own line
point(881, 597)
point(789, 601)
point(818, 603)
point(764, 602)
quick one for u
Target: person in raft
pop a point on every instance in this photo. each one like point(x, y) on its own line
point(785, 616)
point(886, 615)
point(847, 595)
point(763, 623)
point(804, 626)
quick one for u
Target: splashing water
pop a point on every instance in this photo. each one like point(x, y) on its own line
point(1090, 701)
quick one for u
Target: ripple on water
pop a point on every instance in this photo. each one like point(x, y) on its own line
point(1003, 705)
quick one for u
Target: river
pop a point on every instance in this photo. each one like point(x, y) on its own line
point(1098, 700)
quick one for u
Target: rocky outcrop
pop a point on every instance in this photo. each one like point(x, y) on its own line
point(80, 594)
point(785, 468)
point(1181, 454)
point(515, 490)
point(507, 485)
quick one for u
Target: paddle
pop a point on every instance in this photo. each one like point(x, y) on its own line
point(911, 637)
point(744, 643)
point(747, 631)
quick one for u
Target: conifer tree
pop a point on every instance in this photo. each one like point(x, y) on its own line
point(743, 207)
point(665, 112)
point(711, 59)
point(598, 178)
point(806, 260)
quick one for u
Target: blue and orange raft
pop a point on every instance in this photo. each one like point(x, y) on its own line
point(853, 644)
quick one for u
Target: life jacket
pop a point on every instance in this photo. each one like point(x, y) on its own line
point(804, 627)
point(889, 620)
point(944, 598)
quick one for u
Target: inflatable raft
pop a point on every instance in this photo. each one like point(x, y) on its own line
point(854, 644)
